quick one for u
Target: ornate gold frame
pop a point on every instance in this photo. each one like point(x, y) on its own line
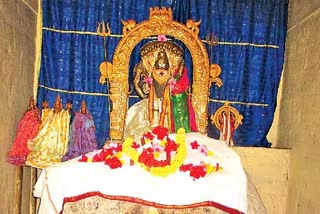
point(226, 108)
point(160, 23)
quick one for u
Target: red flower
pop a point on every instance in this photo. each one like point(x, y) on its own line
point(118, 148)
point(198, 171)
point(83, 158)
point(113, 163)
point(96, 158)
point(194, 145)
point(148, 135)
point(134, 145)
point(186, 167)
point(170, 146)
point(162, 163)
point(160, 131)
point(105, 152)
point(147, 158)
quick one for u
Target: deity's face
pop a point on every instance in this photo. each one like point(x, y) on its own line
point(161, 63)
point(83, 109)
point(161, 72)
point(57, 106)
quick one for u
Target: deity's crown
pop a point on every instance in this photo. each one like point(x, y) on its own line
point(161, 55)
point(83, 104)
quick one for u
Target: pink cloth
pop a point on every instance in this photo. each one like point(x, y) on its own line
point(182, 84)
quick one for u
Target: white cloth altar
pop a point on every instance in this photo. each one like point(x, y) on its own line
point(227, 187)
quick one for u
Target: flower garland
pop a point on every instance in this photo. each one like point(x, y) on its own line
point(146, 154)
point(110, 156)
point(150, 150)
point(202, 148)
point(202, 169)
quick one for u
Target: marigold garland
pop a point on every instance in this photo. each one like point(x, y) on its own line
point(150, 151)
point(159, 168)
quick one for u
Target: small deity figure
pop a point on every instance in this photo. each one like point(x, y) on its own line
point(82, 137)
point(161, 80)
point(51, 143)
point(227, 119)
point(28, 128)
point(227, 125)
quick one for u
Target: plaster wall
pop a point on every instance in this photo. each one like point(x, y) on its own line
point(299, 119)
point(268, 169)
point(299, 11)
point(17, 51)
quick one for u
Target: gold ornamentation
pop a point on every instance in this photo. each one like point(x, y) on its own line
point(211, 40)
point(127, 26)
point(231, 116)
point(163, 13)
point(193, 26)
point(105, 71)
point(101, 29)
point(159, 23)
point(215, 71)
point(105, 67)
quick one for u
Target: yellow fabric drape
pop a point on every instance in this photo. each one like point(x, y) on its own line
point(52, 141)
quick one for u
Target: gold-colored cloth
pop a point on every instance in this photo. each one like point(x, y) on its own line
point(100, 205)
point(52, 141)
point(137, 120)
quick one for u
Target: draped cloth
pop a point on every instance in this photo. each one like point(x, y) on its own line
point(73, 179)
point(183, 115)
point(137, 120)
point(28, 129)
point(49, 146)
point(82, 137)
point(181, 111)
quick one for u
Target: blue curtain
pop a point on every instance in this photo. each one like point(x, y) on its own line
point(250, 51)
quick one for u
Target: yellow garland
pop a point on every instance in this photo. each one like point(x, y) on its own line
point(175, 163)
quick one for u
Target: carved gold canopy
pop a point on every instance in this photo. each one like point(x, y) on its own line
point(160, 23)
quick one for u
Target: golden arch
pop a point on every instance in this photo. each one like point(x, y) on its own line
point(160, 23)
